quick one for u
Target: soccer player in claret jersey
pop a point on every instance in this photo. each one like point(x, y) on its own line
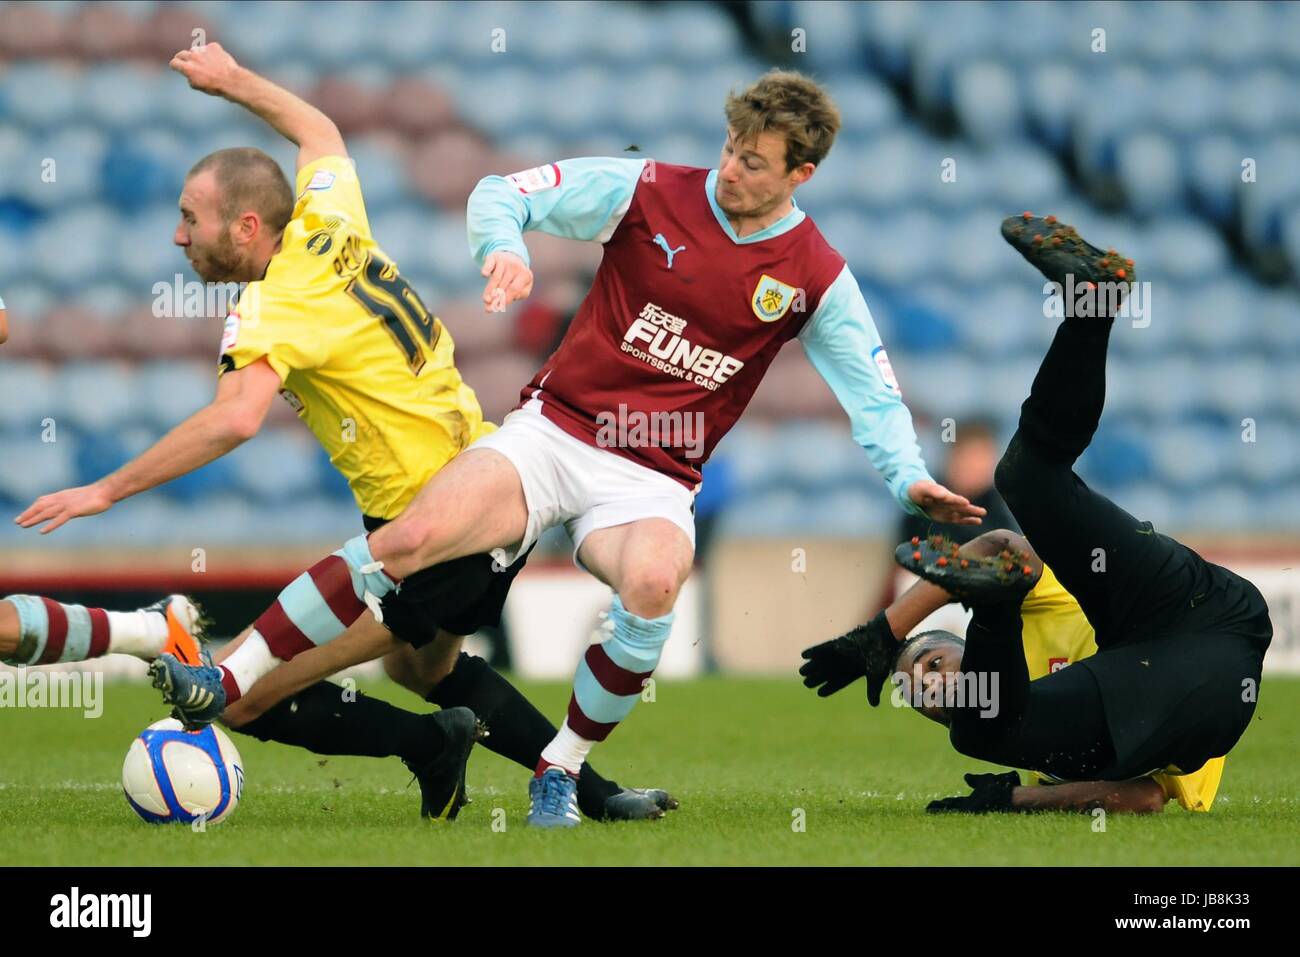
point(327, 321)
point(706, 274)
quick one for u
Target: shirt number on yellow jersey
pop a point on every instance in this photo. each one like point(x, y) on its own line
point(383, 293)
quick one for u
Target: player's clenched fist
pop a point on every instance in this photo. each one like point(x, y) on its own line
point(209, 68)
point(508, 279)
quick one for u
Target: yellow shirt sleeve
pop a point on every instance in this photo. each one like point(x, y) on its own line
point(269, 321)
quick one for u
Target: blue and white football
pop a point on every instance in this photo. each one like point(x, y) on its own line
point(174, 775)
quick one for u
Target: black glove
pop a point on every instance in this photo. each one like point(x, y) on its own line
point(992, 792)
point(868, 650)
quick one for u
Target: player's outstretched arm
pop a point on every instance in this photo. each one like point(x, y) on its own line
point(1138, 796)
point(212, 70)
point(365, 640)
point(243, 398)
point(871, 649)
point(841, 341)
point(4, 324)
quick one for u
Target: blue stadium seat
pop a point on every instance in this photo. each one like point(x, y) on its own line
point(43, 96)
point(1023, 175)
point(987, 101)
point(31, 467)
point(1217, 317)
point(383, 178)
point(172, 390)
point(693, 35)
point(1149, 172)
point(271, 33)
point(944, 385)
point(851, 513)
point(749, 451)
point(1184, 456)
point(1115, 459)
point(99, 395)
point(1274, 455)
point(277, 465)
point(812, 454)
point(1050, 92)
point(888, 30)
point(28, 394)
point(415, 239)
point(1263, 202)
point(76, 182)
point(829, 34)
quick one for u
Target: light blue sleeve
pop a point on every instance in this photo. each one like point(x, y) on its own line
point(575, 199)
point(844, 347)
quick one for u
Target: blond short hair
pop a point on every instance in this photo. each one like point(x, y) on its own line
point(789, 103)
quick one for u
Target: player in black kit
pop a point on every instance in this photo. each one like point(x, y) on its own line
point(1180, 641)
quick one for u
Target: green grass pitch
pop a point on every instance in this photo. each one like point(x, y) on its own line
point(749, 760)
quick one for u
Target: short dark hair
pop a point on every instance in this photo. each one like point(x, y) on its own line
point(928, 639)
point(789, 103)
point(249, 180)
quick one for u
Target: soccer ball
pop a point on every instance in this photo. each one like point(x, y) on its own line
point(171, 774)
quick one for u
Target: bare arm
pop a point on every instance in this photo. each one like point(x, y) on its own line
point(210, 69)
point(4, 327)
point(235, 415)
point(1140, 796)
point(365, 640)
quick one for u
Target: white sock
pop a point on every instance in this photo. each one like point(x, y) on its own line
point(567, 750)
point(250, 661)
point(139, 633)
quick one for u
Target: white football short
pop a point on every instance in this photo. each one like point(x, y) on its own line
point(586, 488)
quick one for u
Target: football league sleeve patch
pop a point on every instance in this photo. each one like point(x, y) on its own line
point(582, 199)
point(328, 188)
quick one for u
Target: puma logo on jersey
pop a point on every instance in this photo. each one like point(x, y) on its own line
point(663, 244)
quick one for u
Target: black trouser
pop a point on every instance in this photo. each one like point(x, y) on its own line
point(1141, 702)
point(1118, 569)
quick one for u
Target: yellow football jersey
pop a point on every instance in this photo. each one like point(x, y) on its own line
point(363, 361)
point(1056, 633)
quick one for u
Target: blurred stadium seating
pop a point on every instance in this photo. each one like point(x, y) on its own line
point(1141, 145)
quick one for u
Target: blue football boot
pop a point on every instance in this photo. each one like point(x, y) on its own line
point(553, 799)
point(194, 691)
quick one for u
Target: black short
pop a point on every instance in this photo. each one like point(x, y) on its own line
point(1186, 693)
point(460, 596)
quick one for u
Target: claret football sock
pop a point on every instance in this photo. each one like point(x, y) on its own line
point(313, 609)
point(51, 632)
point(516, 729)
point(607, 684)
point(320, 604)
